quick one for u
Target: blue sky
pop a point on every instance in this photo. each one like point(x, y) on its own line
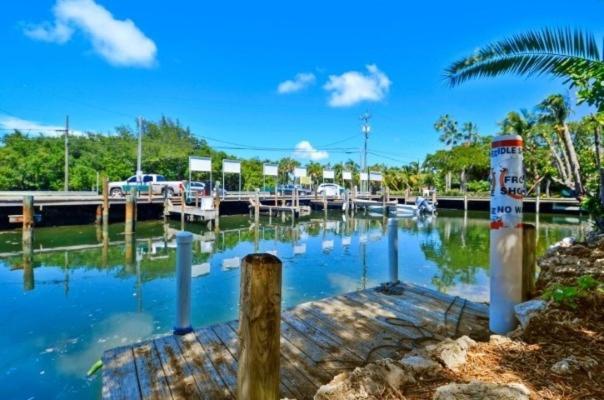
point(221, 68)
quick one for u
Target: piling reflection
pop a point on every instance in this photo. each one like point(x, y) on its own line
point(27, 263)
point(441, 251)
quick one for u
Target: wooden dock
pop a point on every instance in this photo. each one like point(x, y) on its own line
point(319, 340)
point(177, 205)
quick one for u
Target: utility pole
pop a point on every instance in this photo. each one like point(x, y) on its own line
point(139, 155)
point(365, 128)
point(66, 167)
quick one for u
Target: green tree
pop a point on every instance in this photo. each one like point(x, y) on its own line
point(570, 54)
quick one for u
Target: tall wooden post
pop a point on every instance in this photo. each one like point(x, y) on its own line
point(434, 196)
point(99, 215)
point(27, 242)
point(129, 213)
point(182, 211)
point(257, 209)
point(529, 260)
point(105, 204)
point(406, 196)
point(259, 328)
point(28, 219)
point(465, 202)
point(150, 193)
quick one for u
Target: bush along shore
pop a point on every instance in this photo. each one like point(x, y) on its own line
point(557, 352)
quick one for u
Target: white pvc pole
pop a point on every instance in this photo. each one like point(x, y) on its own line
point(393, 249)
point(184, 259)
point(507, 193)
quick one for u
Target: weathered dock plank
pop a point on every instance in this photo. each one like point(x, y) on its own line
point(318, 340)
point(120, 379)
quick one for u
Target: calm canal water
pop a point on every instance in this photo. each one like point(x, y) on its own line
point(84, 296)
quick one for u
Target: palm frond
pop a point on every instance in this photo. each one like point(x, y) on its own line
point(549, 51)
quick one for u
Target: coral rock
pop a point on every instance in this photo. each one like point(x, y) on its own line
point(378, 380)
point(451, 353)
point(573, 364)
point(483, 391)
point(525, 311)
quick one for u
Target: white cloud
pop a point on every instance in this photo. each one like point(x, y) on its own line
point(306, 151)
point(120, 42)
point(300, 81)
point(354, 87)
point(58, 33)
point(25, 126)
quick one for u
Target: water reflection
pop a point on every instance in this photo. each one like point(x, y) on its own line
point(92, 289)
point(455, 244)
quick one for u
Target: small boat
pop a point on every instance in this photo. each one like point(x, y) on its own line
point(421, 206)
point(404, 210)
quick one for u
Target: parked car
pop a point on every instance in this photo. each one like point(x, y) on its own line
point(330, 189)
point(195, 187)
point(289, 189)
point(159, 185)
point(204, 189)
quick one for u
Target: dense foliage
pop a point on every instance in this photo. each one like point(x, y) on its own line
point(36, 161)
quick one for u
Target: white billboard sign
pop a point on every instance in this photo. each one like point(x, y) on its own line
point(347, 175)
point(329, 174)
point(375, 176)
point(270, 170)
point(200, 164)
point(300, 172)
point(230, 166)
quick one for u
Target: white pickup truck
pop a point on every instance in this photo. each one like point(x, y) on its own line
point(159, 185)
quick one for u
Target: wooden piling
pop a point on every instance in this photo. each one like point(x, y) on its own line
point(465, 202)
point(257, 209)
point(538, 199)
point(150, 193)
point(182, 210)
point(529, 260)
point(259, 328)
point(434, 196)
point(99, 215)
point(130, 214)
point(28, 218)
point(406, 196)
point(105, 204)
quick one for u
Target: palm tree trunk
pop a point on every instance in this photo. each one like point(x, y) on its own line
point(557, 160)
point(565, 164)
point(573, 160)
point(599, 163)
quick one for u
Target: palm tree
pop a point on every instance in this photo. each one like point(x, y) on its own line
point(449, 131)
point(469, 133)
point(554, 110)
point(286, 167)
point(315, 171)
point(571, 54)
point(558, 52)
